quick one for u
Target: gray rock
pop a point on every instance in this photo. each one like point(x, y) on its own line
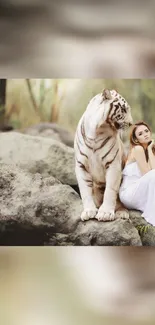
point(30, 203)
point(38, 155)
point(146, 230)
point(37, 210)
point(39, 206)
point(116, 233)
point(51, 130)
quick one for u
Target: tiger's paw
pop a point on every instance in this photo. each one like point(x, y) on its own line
point(88, 214)
point(104, 215)
point(122, 214)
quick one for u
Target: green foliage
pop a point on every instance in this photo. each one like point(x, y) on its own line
point(16, 124)
point(148, 88)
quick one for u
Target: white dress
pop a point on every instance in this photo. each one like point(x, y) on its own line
point(137, 191)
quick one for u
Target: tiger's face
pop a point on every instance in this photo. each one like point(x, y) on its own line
point(120, 112)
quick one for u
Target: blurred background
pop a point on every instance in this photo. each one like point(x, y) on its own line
point(77, 39)
point(26, 102)
point(77, 285)
point(73, 39)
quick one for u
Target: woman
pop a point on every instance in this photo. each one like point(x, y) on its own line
point(137, 190)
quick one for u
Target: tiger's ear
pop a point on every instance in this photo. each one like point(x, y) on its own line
point(106, 94)
point(114, 92)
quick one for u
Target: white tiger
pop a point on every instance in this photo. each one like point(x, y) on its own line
point(99, 155)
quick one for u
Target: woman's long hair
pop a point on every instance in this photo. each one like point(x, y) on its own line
point(134, 142)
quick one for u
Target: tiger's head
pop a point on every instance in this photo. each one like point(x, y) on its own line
point(119, 112)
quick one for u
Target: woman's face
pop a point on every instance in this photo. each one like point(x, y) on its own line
point(143, 134)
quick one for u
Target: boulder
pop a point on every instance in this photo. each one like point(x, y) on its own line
point(39, 155)
point(35, 206)
point(36, 210)
point(51, 130)
point(39, 204)
point(145, 230)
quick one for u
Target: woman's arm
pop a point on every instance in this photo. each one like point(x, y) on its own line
point(139, 155)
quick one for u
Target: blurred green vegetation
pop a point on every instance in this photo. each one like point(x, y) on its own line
point(64, 100)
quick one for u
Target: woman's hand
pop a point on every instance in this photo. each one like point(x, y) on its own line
point(151, 144)
point(151, 147)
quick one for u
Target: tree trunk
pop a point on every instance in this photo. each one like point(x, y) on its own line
point(55, 107)
point(32, 98)
point(3, 83)
point(2, 92)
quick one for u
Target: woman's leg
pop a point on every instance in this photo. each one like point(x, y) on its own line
point(146, 196)
point(127, 196)
point(141, 196)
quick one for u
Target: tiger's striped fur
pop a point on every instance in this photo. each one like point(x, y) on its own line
point(99, 154)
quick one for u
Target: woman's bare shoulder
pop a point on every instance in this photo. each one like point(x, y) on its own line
point(138, 152)
point(137, 149)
